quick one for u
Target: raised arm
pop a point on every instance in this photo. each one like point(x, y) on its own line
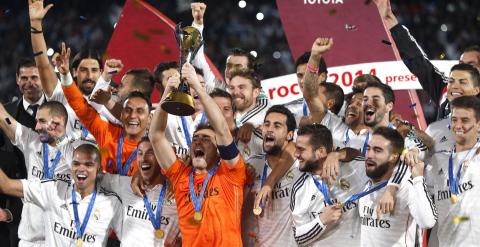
point(214, 114)
point(431, 79)
point(316, 105)
point(161, 146)
point(7, 123)
point(47, 75)
point(11, 187)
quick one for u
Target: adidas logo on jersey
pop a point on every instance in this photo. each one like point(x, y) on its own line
point(440, 172)
point(444, 139)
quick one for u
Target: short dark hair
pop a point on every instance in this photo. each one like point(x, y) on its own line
point(56, 109)
point(144, 139)
point(220, 93)
point(474, 74)
point(89, 148)
point(366, 78)
point(468, 102)
point(396, 140)
point(387, 91)
point(303, 59)
point(247, 74)
point(335, 92)
point(86, 53)
point(25, 63)
point(142, 80)
point(320, 136)
point(203, 126)
point(137, 94)
point(349, 96)
point(472, 48)
point(157, 73)
point(291, 122)
point(252, 64)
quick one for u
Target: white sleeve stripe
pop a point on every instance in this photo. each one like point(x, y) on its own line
point(424, 55)
point(296, 186)
point(401, 172)
point(302, 239)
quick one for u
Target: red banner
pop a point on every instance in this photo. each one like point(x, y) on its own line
point(144, 37)
point(359, 37)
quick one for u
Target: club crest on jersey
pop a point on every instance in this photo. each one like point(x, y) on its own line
point(96, 215)
point(289, 175)
point(344, 184)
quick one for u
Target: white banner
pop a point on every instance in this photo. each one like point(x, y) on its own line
point(285, 88)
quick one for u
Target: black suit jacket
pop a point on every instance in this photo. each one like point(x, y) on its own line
point(12, 162)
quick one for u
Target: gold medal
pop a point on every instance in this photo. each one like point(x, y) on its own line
point(257, 211)
point(344, 184)
point(453, 199)
point(458, 219)
point(79, 242)
point(465, 164)
point(197, 216)
point(159, 233)
point(339, 205)
point(246, 150)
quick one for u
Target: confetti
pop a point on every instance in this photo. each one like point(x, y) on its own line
point(386, 42)
point(458, 219)
point(332, 12)
point(7, 11)
point(442, 55)
point(413, 105)
point(350, 27)
point(83, 18)
point(141, 36)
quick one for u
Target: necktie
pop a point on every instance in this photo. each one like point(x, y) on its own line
point(34, 109)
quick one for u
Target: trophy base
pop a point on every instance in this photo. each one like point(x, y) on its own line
point(179, 104)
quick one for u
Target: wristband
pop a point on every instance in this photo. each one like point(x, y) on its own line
point(228, 152)
point(37, 53)
point(34, 30)
point(312, 68)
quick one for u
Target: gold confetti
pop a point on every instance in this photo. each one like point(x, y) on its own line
point(442, 55)
point(332, 12)
point(458, 219)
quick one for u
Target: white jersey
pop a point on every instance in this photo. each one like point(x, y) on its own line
point(466, 232)
point(255, 116)
point(74, 128)
point(441, 135)
point(137, 229)
point(253, 147)
point(176, 133)
point(275, 226)
point(54, 197)
point(299, 109)
point(32, 229)
point(307, 226)
point(413, 206)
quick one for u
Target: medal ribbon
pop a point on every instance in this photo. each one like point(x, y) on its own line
point(123, 169)
point(49, 173)
point(262, 182)
point(84, 132)
point(322, 187)
point(156, 220)
point(347, 137)
point(356, 197)
point(204, 118)
point(364, 149)
point(454, 183)
point(186, 132)
point(81, 229)
point(305, 109)
point(198, 200)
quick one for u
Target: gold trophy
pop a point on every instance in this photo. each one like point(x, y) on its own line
point(180, 102)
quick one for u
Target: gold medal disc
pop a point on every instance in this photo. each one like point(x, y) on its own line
point(453, 199)
point(197, 216)
point(257, 211)
point(159, 233)
point(79, 243)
